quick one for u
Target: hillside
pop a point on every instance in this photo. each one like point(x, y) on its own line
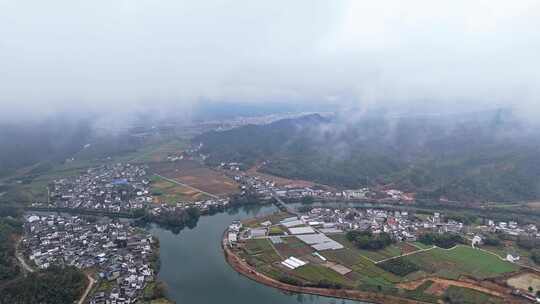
point(474, 156)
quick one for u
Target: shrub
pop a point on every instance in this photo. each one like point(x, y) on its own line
point(400, 266)
point(368, 240)
point(446, 240)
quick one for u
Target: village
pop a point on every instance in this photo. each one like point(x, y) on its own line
point(307, 238)
point(110, 189)
point(265, 186)
point(121, 188)
point(402, 226)
point(120, 255)
point(344, 246)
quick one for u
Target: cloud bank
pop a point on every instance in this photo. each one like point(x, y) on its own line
point(124, 56)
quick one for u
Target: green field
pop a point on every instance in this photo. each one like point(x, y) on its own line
point(276, 230)
point(511, 247)
point(261, 251)
point(420, 293)
point(461, 260)
point(154, 153)
point(455, 294)
point(375, 255)
point(317, 273)
point(395, 276)
point(421, 245)
point(28, 188)
point(364, 270)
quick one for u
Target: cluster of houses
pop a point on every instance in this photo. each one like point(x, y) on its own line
point(205, 207)
point(265, 187)
point(400, 225)
point(121, 254)
point(111, 188)
point(512, 228)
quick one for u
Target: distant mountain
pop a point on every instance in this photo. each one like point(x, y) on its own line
point(473, 156)
point(52, 141)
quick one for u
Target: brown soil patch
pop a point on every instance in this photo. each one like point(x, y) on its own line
point(294, 249)
point(407, 248)
point(534, 205)
point(524, 281)
point(411, 285)
point(196, 175)
point(437, 288)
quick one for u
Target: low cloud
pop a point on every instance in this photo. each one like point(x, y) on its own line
point(139, 56)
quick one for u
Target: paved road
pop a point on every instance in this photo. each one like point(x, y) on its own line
point(187, 186)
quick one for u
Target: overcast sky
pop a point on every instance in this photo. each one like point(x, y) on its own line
point(133, 54)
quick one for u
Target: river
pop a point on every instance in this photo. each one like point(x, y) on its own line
point(195, 271)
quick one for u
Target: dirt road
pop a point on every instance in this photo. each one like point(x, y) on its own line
point(21, 259)
point(187, 186)
point(91, 283)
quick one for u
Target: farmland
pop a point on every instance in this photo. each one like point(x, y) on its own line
point(29, 184)
point(524, 281)
point(27, 187)
point(196, 175)
point(157, 153)
point(164, 191)
point(461, 260)
point(391, 251)
point(317, 273)
point(280, 181)
point(462, 295)
point(407, 269)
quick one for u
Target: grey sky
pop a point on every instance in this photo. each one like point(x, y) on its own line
point(133, 54)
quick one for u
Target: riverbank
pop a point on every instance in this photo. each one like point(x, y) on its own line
point(243, 268)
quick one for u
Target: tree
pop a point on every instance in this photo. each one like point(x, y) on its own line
point(307, 200)
point(535, 256)
point(528, 242)
point(445, 240)
point(492, 240)
point(55, 285)
point(368, 240)
point(9, 268)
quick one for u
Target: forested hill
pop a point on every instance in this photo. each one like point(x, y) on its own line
point(469, 157)
point(49, 142)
